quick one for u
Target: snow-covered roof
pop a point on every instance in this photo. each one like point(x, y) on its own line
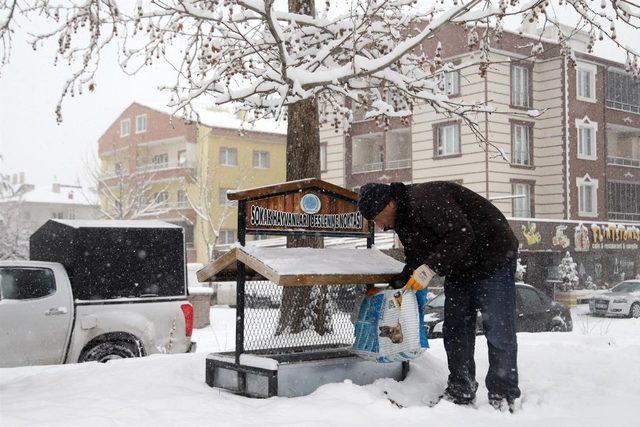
point(308, 261)
point(68, 195)
point(308, 266)
point(115, 223)
point(227, 120)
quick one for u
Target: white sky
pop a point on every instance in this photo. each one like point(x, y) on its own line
point(32, 142)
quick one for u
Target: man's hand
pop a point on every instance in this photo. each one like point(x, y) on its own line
point(400, 280)
point(420, 278)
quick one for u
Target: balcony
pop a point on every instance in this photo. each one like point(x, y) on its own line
point(379, 166)
point(623, 92)
point(398, 164)
point(367, 167)
point(154, 167)
point(624, 216)
point(114, 174)
point(623, 146)
point(623, 161)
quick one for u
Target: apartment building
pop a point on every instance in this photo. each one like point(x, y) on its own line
point(157, 166)
point(577, 161)
point(229, 160)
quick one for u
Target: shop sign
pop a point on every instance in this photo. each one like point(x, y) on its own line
point(554, 236)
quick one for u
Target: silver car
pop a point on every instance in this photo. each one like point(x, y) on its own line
point(622, 300)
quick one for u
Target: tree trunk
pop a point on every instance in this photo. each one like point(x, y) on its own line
point(303, 307)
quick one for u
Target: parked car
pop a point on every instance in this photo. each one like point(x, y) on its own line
point(118, 291)
point(623, 300)
point(536, 312)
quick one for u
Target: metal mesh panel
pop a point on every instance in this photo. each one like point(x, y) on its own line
point(289, 320)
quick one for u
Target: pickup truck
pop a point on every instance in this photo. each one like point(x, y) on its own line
point(95, 291)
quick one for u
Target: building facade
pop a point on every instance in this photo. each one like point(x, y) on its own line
point(157, 166)
point(570, 135)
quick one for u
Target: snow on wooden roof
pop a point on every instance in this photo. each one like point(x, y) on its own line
point(114, 223)
point(307, 266)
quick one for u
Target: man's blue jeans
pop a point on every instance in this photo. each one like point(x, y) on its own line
point(495, 297)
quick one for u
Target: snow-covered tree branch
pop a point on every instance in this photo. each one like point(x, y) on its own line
point(202, 199)
point(127, 194)
point(261, 57)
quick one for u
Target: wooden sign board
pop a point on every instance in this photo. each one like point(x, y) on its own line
point(307, 205)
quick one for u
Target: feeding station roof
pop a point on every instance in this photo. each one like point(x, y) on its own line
point(306, 266)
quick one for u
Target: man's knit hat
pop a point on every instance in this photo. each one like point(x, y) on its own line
point(373, 198)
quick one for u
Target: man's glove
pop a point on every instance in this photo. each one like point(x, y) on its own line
point(420, 278)
point(400, 280)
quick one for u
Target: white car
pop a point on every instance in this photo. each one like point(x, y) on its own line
point(622, 301)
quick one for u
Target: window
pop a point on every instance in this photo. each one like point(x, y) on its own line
point(182, 197)
point(398, 148)
point(368, 152)
point(622, 91)
point(260, 237)
point(26, 283)
point(448, 140)
point(223, 200)
point(226, 236)
point(57, 215)
point(261, 159)
point(587, 196)
point(586, 82)
point(71, 214)
point(522, 144)
point(521, 205)
point(162, 197)
point(623, 146)
point(141, 123)
point(452, 82)
point(623, 200)
point(586, 136)
point(160, 159)
point(228, 156)
point(125, 128)
point(182, 157)
point(323, 157)
point(520, 82)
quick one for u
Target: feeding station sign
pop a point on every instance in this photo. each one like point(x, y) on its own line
point(309, 206)
point(276, 358)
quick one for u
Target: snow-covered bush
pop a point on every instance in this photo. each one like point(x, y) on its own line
point(568, 273)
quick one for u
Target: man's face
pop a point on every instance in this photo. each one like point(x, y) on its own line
point(386, 219)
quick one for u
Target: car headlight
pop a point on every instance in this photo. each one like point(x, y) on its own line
point(620, 300)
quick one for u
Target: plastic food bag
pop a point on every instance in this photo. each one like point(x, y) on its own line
point(390, 326)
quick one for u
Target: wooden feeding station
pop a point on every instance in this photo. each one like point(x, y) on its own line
point(295, 306)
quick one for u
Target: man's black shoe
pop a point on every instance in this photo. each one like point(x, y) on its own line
point(462, 399)
point(501, 403)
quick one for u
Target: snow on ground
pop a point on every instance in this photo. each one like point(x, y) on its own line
point(588, 377)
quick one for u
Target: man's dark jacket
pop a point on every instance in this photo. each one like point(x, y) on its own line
point(453, 230)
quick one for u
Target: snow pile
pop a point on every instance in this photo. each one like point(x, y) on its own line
point(588, 377)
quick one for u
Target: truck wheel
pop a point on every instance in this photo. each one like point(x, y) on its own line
point(109, 350)
point(634, 311)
